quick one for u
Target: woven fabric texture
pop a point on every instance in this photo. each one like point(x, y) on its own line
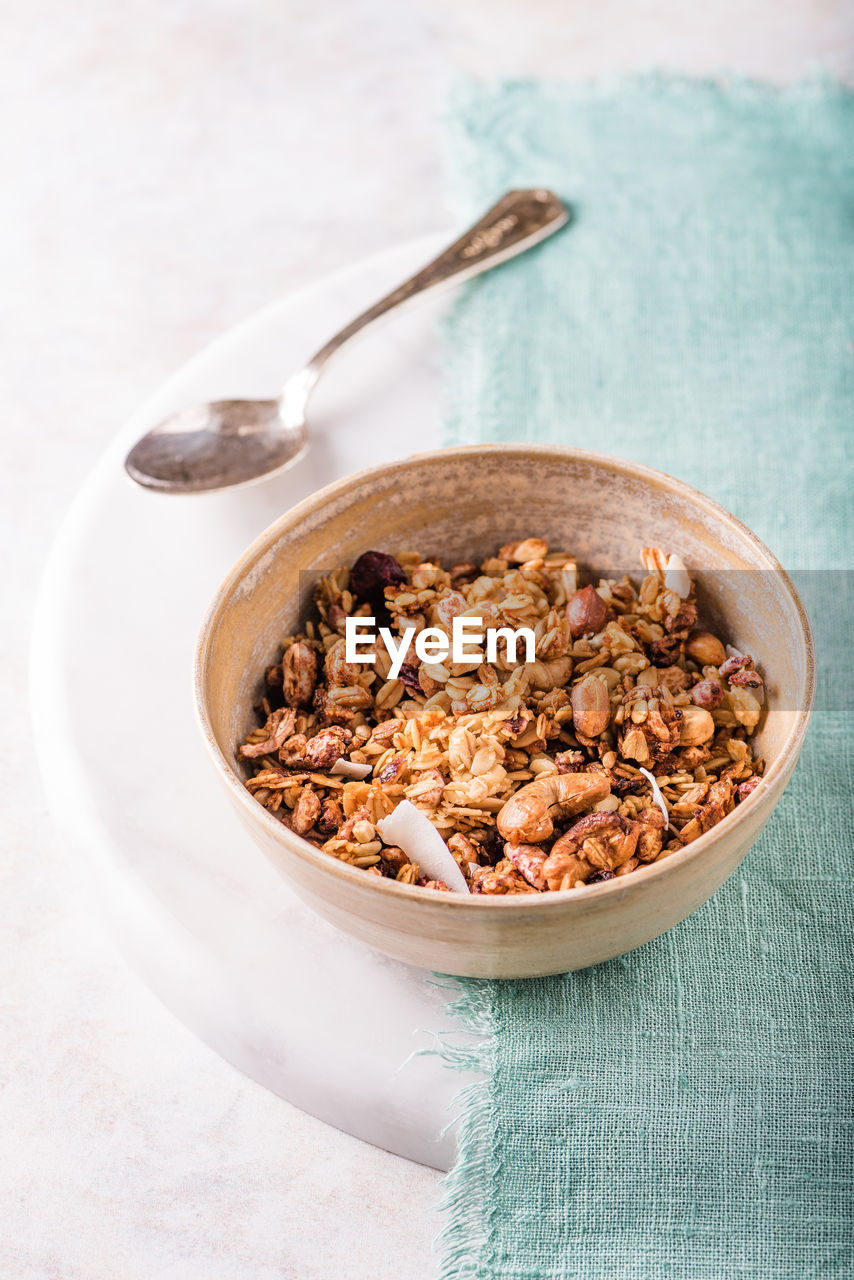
point(684, 1111)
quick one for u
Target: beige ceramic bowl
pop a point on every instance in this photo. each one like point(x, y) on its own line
point(461, 504)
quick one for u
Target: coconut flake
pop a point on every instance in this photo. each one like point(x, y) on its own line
point(677, 577)
point(732, 652)
point(414, 833)
point(658, 798)
point(350, 769)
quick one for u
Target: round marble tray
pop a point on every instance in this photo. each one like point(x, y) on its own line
point(313, 1015)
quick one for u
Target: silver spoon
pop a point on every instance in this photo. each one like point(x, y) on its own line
point(232, 442)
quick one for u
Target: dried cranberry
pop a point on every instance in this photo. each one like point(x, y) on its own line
point(665, 651)
point(372, 572)
point(599, 876)
point(492, 846)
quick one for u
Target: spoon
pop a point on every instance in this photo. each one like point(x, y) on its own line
point(233, 442)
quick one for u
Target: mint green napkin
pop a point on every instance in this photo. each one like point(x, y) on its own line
point(684, 1111)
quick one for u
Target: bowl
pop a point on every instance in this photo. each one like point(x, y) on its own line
point(461, 504)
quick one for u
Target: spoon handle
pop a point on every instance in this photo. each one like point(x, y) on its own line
point(519, 220)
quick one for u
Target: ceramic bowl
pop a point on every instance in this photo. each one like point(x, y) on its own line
point(461, 504)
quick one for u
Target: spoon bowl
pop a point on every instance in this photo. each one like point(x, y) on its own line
point(216, 446)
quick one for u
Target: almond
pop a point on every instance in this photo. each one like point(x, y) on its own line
point(591, 707)
point(586, 612)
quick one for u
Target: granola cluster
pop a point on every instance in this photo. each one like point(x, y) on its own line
point(627, 738)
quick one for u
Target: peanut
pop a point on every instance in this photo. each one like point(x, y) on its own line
point(705, 649)
point(697, 726)
point(591, 707)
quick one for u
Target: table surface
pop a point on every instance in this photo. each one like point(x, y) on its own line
point(175, 166)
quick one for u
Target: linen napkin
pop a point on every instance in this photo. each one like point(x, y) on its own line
point(684, 1111)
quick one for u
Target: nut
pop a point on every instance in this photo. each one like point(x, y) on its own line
point(697, 726)
point(528, 816)
point(464, 850)
point(339, 671)
point(306, 812)
point(487, 880)
point(330, 818)
point(299, 674)
point(673, 678)
point(450, 607)
point(651, 834)
point(746, 708)
point(591, 707)
point(326, 747)
point(586, 612)
point(705, 649)
point(603, 841)
point(279, 727)
point(393, 769)
point(639, 711)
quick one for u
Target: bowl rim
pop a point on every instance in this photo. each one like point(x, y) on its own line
point(556, 899)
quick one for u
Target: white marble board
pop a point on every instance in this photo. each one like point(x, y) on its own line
point(215, 931)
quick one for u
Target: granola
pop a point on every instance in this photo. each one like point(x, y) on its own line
point(538, 775)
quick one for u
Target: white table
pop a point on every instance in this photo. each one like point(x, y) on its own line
point(174, 167)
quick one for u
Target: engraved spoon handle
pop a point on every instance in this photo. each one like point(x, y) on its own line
point(519, 220)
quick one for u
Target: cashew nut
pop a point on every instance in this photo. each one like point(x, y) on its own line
point(528, 816)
